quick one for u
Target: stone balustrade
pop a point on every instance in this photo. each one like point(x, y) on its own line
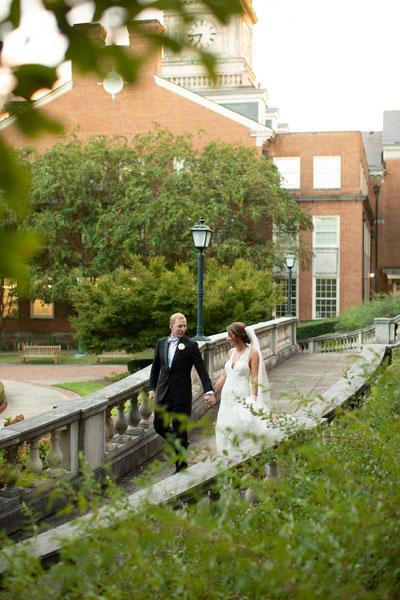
point(383, 331)
point(83, 427)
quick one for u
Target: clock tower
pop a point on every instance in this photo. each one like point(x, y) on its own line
point(232, 44)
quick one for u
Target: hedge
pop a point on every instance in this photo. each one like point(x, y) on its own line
point(308, 329)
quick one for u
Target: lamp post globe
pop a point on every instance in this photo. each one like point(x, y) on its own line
point(289, 260)
point(201, 235)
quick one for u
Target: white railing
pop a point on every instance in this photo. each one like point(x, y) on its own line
point(84, 425)
point(383, 331)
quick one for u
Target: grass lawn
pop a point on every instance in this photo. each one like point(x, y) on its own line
point(83, 388)
point(68, 358)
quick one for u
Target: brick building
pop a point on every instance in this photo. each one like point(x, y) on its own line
point(327, 172)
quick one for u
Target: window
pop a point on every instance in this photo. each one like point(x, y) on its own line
point(282, 309)
point(326, 172)
point(325, 298)
point(41, 310)
point(10, 299)
point(289, 169)
point(326, 232)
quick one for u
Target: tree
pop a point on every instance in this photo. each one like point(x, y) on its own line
point(87, 56)
point(18, 246)
point(99, 202)
point(130, 309)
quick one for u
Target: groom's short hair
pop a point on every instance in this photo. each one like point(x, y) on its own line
point(176, 316)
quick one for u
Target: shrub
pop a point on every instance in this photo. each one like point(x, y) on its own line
point(308, 329)
point(138, 363)
point(364, 314)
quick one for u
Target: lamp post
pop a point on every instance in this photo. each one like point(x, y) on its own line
point(289, 260)
point(201, 235)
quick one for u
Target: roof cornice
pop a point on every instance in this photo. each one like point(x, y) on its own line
point(42, 101)
point(261, 132)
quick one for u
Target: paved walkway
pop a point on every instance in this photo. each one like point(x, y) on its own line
point(30, 388)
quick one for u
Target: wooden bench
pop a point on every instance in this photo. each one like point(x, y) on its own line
point(112, 354)
point(40, 352)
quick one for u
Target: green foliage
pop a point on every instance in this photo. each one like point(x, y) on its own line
point(363, 315)
point(326, 528)
point(130, 309)
point(137, 364)
point(99, 202)
point(82, 388)
point(18, 245)
point(308, 329)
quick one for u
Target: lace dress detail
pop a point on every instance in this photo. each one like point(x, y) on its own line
point(235, 422)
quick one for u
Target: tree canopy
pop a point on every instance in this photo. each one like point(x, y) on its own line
point(97, 203)
point(130, 308)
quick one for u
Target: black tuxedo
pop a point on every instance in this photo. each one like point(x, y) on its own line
point(174, 385)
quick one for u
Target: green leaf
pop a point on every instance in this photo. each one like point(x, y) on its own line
point(32, 78)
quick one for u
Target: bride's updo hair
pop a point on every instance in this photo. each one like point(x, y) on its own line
point(238, 330)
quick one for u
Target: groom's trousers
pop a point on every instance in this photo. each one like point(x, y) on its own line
point(170, 427)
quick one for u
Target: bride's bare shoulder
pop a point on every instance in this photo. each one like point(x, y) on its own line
point(253, 354)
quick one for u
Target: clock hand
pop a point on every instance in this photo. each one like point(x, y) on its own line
point(199, 36)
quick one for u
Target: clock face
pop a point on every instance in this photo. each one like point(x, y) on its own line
point(202, 34)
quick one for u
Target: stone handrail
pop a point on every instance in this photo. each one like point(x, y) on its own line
point(84, 425)
point(383, 331)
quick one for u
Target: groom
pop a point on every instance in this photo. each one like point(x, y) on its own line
point(174, 357)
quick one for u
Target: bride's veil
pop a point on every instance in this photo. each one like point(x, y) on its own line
point(263, 395)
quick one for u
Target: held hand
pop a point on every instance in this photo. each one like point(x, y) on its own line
point(152, 396)
point(210, 400)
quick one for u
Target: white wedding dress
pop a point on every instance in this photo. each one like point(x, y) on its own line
point(236, 424)
point(239, 430)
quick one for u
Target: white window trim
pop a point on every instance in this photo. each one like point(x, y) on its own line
point(314, 296)
point(286, 184)
point(33, 316)
point(316, 183)
point(314, 239)
point(297, 279)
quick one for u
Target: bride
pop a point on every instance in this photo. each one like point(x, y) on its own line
point(244, 383)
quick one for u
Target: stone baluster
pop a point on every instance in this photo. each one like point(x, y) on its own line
point(121, 424)
point(134, 417)
point(145, 410)
point(34, 464)
point(54, 455)
point(271, 470)
point(11, 474)
point(109, 430)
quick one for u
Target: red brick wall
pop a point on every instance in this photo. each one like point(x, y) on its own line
point(136, 109)
point(346, 144)
point(389, 231)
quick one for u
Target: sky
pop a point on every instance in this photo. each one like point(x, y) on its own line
point(327, 64)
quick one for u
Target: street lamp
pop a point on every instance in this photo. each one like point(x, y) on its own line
point(289, 260)
point(201, 235)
